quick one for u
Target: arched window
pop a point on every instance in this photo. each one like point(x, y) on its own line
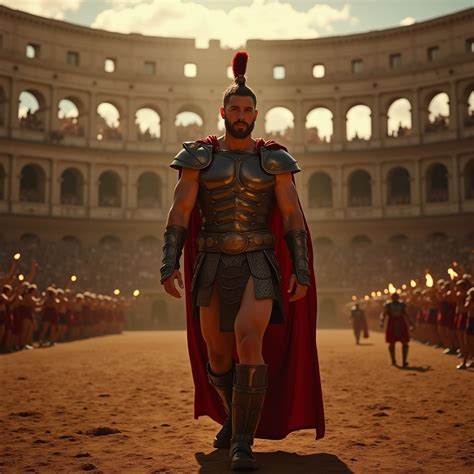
point(398, 187)
point(361, 240)
point(108, 122)
point(469, 118)
point(189, 126)
point(32, 184)
point(319, 126)
point(72, 185)
point(110, 194)
point(31, 111)
point(29, 240)
point(148, 124)
point(437, 183)
point(360, 189)
point(149, 244)
point(320, 190)
point(280, 124)
point(2, 183)
point(438, 113)
point(71, 243)
point(358, 123)
point(398, 239)
point(68, 118)
point(469, 180)
point(399, 118)
point(110, 242)
point(149, 191)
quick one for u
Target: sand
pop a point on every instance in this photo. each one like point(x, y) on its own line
point(124, 404)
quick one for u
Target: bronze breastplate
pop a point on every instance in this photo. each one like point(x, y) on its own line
point(235, 193)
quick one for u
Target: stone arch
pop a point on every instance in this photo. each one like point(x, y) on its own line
point(149, 243)
point(438, 113)
point(149, 190)
point(110, 189)
point(72, 242)
point(30, 240)
point(468, 108)
point(32, 183)
point(320, 190)
point(327, 313)
point(2, 182)
point(398, 186)
point(108, 122)
point(148, 124)
point(280, 124)
point(319, 126)
point(32, 110)
point(359, 123)
point(398, 239)
point(399, 119)
point(189, 123)
point(3, 108)
point(72, 187)
point(437, 238)
point(70, 111)
point(361, 240)
point(437, 186)
point(159, 314)
point(110, 242)
point(469, 180)
point(360, 189)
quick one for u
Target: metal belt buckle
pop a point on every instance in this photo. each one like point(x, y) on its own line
point(233, 242)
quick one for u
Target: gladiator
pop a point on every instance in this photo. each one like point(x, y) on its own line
point(248, 274)
point(359, 322)
point(397, 328)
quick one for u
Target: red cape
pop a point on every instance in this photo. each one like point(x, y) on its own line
point(294, 399)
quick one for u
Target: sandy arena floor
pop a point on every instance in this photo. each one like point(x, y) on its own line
point(379, 418)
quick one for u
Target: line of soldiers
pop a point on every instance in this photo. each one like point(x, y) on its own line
point(441, 315)
point(28, 315)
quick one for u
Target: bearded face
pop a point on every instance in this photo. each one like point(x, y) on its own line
point(239, 129)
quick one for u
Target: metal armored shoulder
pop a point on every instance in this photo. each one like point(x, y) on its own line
point(278, 161)
point(193, 155)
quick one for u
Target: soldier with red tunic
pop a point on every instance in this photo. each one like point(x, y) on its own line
point(397, 327)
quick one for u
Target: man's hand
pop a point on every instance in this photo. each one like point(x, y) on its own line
point(298, 290)
point(170, 286)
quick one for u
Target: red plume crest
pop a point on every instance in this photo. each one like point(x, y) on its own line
point(239, 63)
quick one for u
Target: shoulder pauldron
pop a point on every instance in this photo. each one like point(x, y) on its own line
point(278, 161)
point(193, 155)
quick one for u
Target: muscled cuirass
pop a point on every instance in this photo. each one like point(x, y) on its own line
point(235, 193)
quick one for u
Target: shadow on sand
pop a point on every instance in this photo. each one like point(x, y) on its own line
point(423, 368)
point(275, 462)
point(365, 344)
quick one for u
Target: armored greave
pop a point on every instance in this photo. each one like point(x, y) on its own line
point(223, 386)
point(250, 385)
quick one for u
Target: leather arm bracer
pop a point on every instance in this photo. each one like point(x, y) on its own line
point(296, 240)
point(175, 236)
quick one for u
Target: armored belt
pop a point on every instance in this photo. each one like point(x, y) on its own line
point(235, 242)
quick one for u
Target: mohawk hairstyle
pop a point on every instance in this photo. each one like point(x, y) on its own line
point(238, 87)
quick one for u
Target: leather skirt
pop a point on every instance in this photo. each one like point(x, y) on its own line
point(230, 274)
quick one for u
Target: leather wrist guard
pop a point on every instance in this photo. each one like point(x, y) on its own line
point(296, 240)
point(174, 238)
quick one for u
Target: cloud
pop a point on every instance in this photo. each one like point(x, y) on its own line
point(409, 20)
point(49, 8)
point(262, 19)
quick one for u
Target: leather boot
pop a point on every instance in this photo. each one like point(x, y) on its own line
point(223, 386)
point(405, 354)
point(250, 385)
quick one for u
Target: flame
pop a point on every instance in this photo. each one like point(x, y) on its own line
point(429, 280)
point(452, 273)
point(404, 287)
point(17, 256)
point(137, 292)
point(385, 290)
point(21, 277)
point(413, 283)
point(73, 277)
point(373, 294)
point(366, 297)
point(391, 288)
point(116, 291)
point(379, 293)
